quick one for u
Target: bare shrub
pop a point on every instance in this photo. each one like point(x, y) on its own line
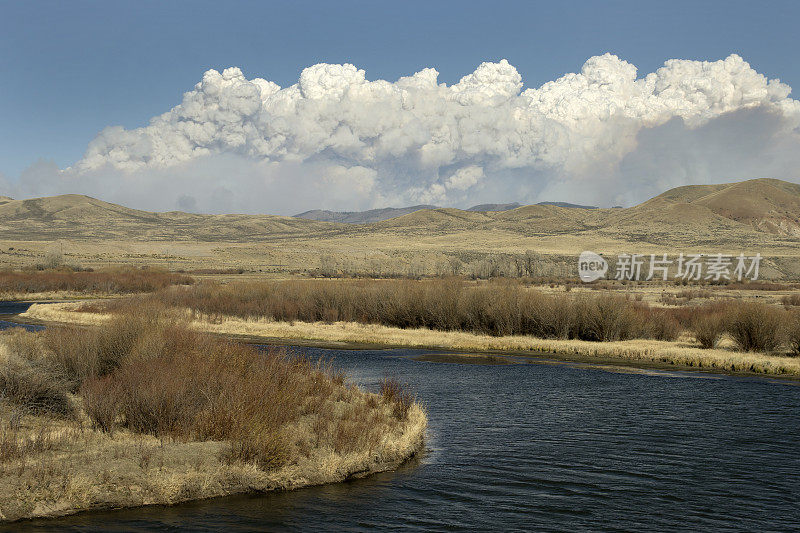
point(100, 402)
point(74, 350)
point(147, 372)
point(171, 381)
point(659, 325)
point(34, 386)
point(791, 300)
point(690, 294)
point(708, 329)
point(29, 379)
point(793, 332)
point(755, 327)
point(268, 450)
point(115, 281)
point(760, 285)
point(605, 318)
point(499, 307)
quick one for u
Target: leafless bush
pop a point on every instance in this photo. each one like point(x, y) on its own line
point(30, 380)
point(791, 300)
point(755, 327)
point(793, 332)
point(708, 329)
point(500, 307)
point(658, 324)
point(167, 380)
point(118, 281)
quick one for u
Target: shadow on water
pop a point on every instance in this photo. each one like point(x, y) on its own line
point(14, 308)
point(8, 310)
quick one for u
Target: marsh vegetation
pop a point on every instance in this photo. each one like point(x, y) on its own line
point(278, 419)
point(499, 308)
point(66, 279)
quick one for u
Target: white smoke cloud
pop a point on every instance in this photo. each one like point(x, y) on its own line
point(337, 140)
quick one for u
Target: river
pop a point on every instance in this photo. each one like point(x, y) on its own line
point(541, 446)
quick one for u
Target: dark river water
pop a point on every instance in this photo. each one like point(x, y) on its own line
point(554, 447)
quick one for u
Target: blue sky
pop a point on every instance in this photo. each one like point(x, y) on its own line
point(68, 69)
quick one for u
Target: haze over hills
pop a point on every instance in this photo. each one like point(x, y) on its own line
point(494, 207)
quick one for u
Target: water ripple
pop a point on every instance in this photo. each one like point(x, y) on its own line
point(547, 448)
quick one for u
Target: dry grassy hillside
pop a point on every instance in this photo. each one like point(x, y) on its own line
point(74, 216)
point(768, 205)
point(760, 215)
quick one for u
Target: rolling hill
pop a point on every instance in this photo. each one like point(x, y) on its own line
point(769, 205)
point(74, 216)
point(758, 215)
point(760, 206)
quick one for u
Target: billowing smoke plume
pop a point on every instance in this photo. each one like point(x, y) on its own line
point(337, 140)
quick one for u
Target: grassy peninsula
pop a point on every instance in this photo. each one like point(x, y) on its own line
point(146, 410)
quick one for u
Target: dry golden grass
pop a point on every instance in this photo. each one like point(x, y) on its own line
point(680, 353)
point(66, 467)
point(144, 410)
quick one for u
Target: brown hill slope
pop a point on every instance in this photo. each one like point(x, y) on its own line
point(74, 216)
point(734, 212)
point(768, 205)
point(738, 211)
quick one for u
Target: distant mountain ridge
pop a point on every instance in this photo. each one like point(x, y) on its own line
point(361, 217)
point(484, 208)
point(567, 204)
point(379, 215)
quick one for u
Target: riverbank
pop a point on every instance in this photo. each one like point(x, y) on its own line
point(680, 353)
point(144, 411)
point(72, 468)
